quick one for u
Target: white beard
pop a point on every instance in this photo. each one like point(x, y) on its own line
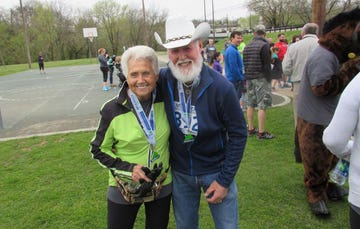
point(186, 75)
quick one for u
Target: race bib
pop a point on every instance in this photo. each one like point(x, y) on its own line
point(182, 120)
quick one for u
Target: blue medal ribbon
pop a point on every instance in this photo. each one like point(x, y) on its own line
point(147, 123)
point(185, 113)
point(185, 108)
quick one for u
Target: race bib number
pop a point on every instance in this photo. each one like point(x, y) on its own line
point(182, 120)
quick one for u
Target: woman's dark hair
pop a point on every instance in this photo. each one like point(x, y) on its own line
point(293, 40)
point(213, 58)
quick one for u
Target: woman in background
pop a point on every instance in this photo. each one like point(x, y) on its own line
point(276, 67)
point(103, 67)
point(41, 63)
point(215, 62)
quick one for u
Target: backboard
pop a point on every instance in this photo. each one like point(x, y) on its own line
point(90, 32)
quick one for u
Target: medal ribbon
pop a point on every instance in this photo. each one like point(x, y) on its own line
point(185, 107)
point(147, 123)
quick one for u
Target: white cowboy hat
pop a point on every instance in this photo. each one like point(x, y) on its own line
point(180, 32)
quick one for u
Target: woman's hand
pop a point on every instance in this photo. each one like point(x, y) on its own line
point(138, 174)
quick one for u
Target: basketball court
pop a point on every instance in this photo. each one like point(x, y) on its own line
point(65, 99)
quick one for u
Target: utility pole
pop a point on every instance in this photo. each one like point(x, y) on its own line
point(227, 25)
point(250, 21)
point(145, 30)
point(25, 35)
point(205, 9)
point(318, 13)
point(213, 19)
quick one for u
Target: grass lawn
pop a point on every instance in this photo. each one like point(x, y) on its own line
point(52, 182)
point(14, 68)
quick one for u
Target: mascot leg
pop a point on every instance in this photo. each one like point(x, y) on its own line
point(317, 161)
point(297, 149)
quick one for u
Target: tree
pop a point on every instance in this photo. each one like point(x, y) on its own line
point(6, 33)
point(109, 15)
point(12, 41)
point(302, 10)
point(43, 31)
point(78, 45)
point(155, 22)
point(274, 12)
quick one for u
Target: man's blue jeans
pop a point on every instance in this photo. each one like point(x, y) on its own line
point(239, 87)
point(186, 199)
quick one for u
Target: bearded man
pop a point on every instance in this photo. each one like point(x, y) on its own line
point(208, 128)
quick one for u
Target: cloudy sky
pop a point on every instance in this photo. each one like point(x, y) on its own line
point(193, 9)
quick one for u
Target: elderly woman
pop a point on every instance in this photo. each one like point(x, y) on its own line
point(132, 142)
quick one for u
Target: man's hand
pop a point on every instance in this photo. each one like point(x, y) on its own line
point(215, 193)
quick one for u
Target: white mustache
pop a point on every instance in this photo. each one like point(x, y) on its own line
point(184, 61)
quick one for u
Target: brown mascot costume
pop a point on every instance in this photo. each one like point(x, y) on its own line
point(329, 68)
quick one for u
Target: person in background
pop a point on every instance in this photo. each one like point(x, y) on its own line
point(243, 99)
point(110, 63)
point(131, 141)
point(295, 38)
point(327, 71)
point(203, 55)
point(120, 73)
point(241, 46)
point(103, 67)
point(276, 70)
point(208, 128)
point(210, 50)
point(41, 63)
point(346, 121)
point(282, 45)
point(271, 42)
point(234, 66)
point(226, 45)
point(293, 66)
point(257, 63)
point(215, 62)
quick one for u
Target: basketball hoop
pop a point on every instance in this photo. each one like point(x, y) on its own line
point(90, 33)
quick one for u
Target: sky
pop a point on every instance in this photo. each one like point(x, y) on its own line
point(192, 9)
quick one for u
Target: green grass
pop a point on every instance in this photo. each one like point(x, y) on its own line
point(52, 182)
point(14, 68)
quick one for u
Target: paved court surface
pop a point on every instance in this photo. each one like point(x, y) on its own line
point(64, 99)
